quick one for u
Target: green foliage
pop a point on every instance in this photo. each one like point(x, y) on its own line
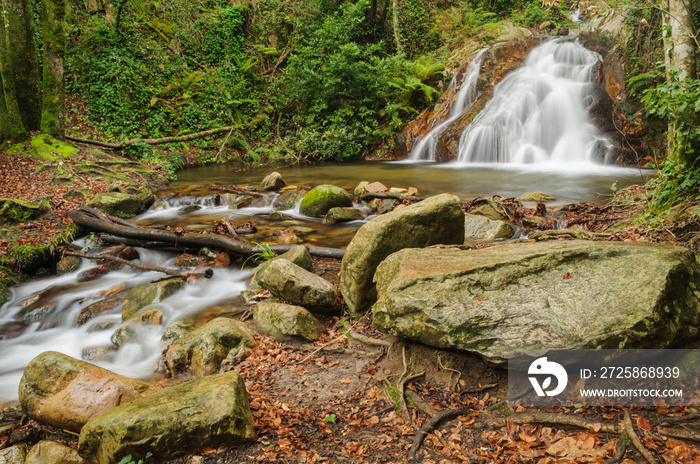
point(331, 418)
point(128, 459)
point(266, 254)
point(415, 32)
point(677, 102)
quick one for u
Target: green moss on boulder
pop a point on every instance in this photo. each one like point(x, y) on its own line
point(321, 199)
point(14, 211)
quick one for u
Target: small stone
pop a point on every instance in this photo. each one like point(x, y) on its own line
point(489, 211)
point(189, 209)
point(13, 455)
point(340, 214)
point(375, 187)
point(386, 206)
point(536, 196)
point(291, 283)
point(50, 452)
point(272, 182)
point(289, 239)
point(360, 189)
point(401, 191)
point(321, 199)
point(277, 216)
point(412, 192)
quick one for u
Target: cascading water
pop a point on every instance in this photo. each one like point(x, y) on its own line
point(425, 149)
point(538, 113)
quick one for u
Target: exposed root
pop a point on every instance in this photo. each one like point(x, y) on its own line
point(620, 450)
point(634, 438)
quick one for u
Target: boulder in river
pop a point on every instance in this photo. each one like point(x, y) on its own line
point(291, 283)
point(438, 219)
point(111, 304)
point(272, 182)
point(140, 297)
point(282, 321)
point(205, 412)
point(289, 198)
point(360, 189)
point(538, 296)
point(319, 200)
point(50, 452)
point(488, 210)
point(204, 349)
point(66, 392)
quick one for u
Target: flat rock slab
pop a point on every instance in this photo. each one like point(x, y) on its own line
point(550, 295)
point(204, 412)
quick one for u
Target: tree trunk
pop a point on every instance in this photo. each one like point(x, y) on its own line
point(53, 109)
point(679, 53)
point(397, 38)
point(24, 65)
point(11, 127)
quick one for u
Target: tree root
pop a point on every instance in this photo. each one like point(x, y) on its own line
point(420, 404)
point(634, 438)
point(437, 420)
point(478, 389)
point(682, 434)
point(620, 450)
point(179, 138)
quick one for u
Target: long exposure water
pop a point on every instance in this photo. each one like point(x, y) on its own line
point(553, 153)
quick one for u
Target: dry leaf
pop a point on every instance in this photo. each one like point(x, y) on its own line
point(644, 424)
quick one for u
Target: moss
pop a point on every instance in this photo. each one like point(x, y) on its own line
point(14, 211)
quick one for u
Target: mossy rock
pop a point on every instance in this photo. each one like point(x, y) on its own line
point(321, 199)
point(118, 204)
point(68, 264)
point(44, 147)
point(338, 215)
point(140, 297)
point(76, 194)
point(283, 321)
point(14, 211)
point(289, 198)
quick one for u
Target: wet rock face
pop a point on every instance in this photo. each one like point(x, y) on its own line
point(205, 412)
point(65, 392)
point(549, 295)
point(437, 219)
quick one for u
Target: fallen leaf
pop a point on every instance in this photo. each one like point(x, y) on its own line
point(568, 276)
point(644, 424)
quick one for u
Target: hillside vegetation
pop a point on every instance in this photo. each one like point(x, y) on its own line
point(299, 81)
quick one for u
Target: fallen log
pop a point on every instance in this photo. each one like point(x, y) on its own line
point(188, 239)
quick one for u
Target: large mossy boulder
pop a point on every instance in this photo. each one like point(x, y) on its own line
point(282, 321)
point(204, 349)
point(435, 220)
point(539, 296)
point(205, 412)
point(140, 297)
point(119, 204)
point(65, 392)
point(289, 282)
point(319, 200)
point(15, 211)
point(50, 452)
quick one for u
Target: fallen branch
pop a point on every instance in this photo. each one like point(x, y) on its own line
point(634, 438)
point(116, 259)
point(178, 138)
point(242, 248)
point(682, 434)
point(521, 418)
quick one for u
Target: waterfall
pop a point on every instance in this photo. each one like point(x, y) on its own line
point(425, 149)
point(538, 113)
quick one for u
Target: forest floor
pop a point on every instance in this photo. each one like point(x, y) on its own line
point(336, 400)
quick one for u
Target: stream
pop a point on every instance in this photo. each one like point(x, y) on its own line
point(43, 311)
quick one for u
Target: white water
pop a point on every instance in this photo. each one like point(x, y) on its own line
point(426, 148)
point(58, 331)
point(538, 113)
